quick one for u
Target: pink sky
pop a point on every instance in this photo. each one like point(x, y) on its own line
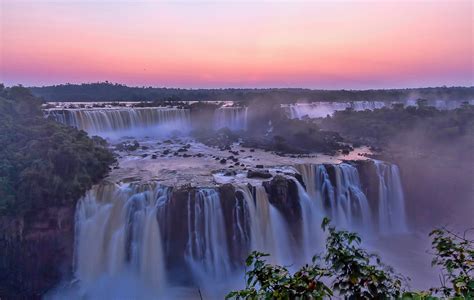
point(316, 44)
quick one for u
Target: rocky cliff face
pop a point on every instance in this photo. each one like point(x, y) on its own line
point(35, 252)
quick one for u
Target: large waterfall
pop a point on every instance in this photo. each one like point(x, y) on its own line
point(232, 117)
point(202, 235)
point(117, 233)
point(107, 121)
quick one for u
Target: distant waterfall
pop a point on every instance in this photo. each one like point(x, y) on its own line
point(232, 117)
point(324, 108)
point(391, 210)
point(117, 231)
point(106, 121)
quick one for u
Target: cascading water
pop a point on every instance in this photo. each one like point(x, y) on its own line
point(391, 210)
point(351, 206)
point(145, 231)
point(117, 233)
point(311, 217)
point(344, 201)
point(269, 232)
point(207, 251)
point(109, 121)
point(232, 117)
point(324, 108)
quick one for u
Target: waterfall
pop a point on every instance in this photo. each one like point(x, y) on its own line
point(106, 121)
point(131, 229)
point(391, 211)
point(269, 232)
point(207, 250)
point(312, 239)
point(343, 200)
point(117, 231)
point(351, 206)
point(324, 108)
point(232, 117)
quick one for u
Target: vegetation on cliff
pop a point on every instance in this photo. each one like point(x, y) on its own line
point(416, 125)
point(43, 163)
point(348, 271)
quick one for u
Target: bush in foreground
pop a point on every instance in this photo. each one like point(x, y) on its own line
point(346, 270)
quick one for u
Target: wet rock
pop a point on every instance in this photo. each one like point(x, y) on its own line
point(127, 146)
point(258, 174)
point(283, 193)
point(223, 161)
point(259, 166)
point(154, 156)
point(230, 173)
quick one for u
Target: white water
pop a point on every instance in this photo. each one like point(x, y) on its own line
point(391, 212)
point(232, 117)
point(269, 232)
point(119, 237)
point(151, 121)
point(112, 221)
point(311, 219)
point(345, 202)
point(322, 109)
point(207, 251)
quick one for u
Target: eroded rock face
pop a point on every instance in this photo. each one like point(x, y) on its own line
point(369, 181)
point(283, 194)
point(35, 252)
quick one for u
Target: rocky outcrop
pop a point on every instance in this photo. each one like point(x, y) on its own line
point(35, 252)
point(283, 194)
point(369, 181)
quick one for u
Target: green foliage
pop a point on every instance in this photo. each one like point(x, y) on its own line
point(354, 273)
point(455, 254)
point(265, 281)
point(381, 126)
point(357, 273)
point(43, 163)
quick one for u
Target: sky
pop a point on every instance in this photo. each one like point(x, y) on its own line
point(191, 44)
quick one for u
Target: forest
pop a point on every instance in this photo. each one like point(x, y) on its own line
point(105, 91)
point(43, 163)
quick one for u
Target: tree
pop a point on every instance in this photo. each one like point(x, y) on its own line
point(354, 273)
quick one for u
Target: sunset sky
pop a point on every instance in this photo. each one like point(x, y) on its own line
point(316, 44)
